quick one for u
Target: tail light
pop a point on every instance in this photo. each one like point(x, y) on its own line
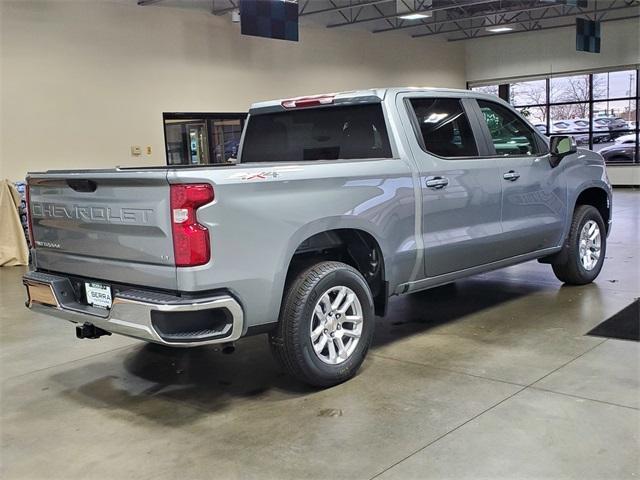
point(32, 244)
point(190, 239)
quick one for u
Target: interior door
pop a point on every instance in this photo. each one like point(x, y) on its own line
point(198, 149)
point(461, 190)
point(534, 195)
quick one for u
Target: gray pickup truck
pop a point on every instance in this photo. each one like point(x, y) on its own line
point(335, 203)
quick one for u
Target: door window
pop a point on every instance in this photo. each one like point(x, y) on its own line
point(510, 135)
point(443, 127)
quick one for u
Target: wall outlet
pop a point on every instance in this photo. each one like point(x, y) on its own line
point(149, 150)
point(136, 150)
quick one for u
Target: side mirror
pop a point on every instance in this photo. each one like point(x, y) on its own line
point(560, 146)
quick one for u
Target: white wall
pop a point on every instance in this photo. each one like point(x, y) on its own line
point(82, 81)
point(549, 52)
point(624, 175)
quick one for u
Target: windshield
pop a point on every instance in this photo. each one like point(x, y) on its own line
point(329, 133)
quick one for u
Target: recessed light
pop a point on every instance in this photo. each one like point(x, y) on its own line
point(499, 29)
point(414, 16)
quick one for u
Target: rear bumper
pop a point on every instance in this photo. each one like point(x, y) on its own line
point(151, 316)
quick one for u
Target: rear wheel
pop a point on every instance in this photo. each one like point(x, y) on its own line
point(581, 260)
point(326, 324)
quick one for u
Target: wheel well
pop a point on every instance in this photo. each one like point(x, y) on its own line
point(354, 247)
point(598, 198)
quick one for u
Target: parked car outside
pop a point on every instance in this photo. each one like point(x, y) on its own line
point(541, 127)
point(619, 152)
point(573, 127)
point(615, 125)
point(630, 138)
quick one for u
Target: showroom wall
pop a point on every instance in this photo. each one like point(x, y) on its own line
point(83, 81)
point(552, 51)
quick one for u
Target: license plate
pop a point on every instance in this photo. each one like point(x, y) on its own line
point(98, 295)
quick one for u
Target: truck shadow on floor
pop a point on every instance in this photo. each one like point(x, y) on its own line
point(448, 305)
point(174, 387)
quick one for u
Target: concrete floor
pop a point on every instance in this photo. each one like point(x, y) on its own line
point(492, 377)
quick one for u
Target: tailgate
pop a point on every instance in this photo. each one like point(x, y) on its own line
point(111, 225)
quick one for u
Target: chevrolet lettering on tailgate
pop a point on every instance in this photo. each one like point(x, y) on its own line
point(91, 213)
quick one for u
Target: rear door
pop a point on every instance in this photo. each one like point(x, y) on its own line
point(461, 191)
point(108, 225)
point(534, 195)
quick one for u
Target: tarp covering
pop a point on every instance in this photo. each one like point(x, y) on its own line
point(13, 245)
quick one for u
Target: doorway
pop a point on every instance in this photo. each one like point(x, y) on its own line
point(202, 138)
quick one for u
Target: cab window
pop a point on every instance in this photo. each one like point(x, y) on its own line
point(328, 133)
point(510, 135)
point(443, 127)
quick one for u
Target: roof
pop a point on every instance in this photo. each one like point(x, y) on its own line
point(370, 95)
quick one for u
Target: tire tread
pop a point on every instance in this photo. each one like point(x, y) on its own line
point(283, 339)
point(569, 270)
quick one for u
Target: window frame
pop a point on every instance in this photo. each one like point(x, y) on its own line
point(476, 131)
point(206, 118)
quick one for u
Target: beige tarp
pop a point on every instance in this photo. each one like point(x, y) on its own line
point(13, 245)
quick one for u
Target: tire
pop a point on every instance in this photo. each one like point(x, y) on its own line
point(569, 267)
point(292, 342)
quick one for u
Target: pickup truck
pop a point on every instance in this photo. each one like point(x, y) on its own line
point(335, 203)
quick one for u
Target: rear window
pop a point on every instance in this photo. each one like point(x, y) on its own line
point(329, 133)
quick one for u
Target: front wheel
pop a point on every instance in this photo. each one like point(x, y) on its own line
point(581, 260)
point(326, 324)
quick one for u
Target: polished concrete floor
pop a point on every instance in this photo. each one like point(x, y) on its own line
point(492, 377)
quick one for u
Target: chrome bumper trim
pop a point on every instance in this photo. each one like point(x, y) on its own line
point(127, 316)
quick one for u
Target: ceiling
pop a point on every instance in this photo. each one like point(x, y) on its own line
point(453, 20)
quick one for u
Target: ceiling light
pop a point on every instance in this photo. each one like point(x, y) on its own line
point(499, 29)
point(414, 16)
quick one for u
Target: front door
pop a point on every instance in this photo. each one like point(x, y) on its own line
point(461, 191)
point(534, 195)
point(198, 149)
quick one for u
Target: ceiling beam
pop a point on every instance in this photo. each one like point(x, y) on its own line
point(454, 5)
point(304, 12)
point(572, 13)
point(473, 17)
point(461, 39)
point(345, 7)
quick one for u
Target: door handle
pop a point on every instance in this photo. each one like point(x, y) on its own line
point(511, 176)
point(437, 182)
